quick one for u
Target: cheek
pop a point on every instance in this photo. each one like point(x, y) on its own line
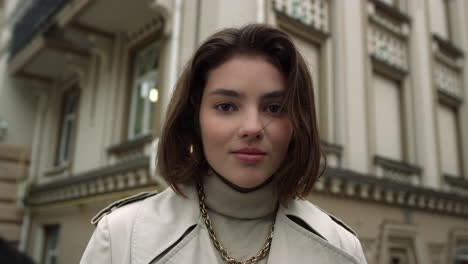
point(213, 131)
point(282, 136)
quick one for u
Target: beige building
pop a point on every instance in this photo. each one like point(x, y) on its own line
point(14, 162)
point(390, 78)
point(16, 114)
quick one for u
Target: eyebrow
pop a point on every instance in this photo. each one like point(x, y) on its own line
point(273, 95)
point(226, 92)
point(235, 94)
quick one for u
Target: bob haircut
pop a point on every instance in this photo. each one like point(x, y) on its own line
point(180, 153)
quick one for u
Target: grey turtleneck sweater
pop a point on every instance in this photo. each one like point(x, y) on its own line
point(242, 221)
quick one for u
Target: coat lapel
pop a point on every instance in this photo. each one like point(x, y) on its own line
point(149, 240)
point(291, 243)
point(294, 244)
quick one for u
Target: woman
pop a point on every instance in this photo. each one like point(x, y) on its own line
point(239, 149)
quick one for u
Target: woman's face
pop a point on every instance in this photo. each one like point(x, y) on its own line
point(245, 132)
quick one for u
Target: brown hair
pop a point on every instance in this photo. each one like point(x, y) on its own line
point(180, 155)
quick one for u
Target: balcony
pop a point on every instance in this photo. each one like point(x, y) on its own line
point(35, 20)
point(128, 177)
point(54, 39)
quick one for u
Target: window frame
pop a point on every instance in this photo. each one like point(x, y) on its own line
point(456, 235)
point(62, 158)
point(401, 236)
point(441, 102)
point(326, 99)
point(396, 71)
point(147, 124)
point(133, 51)
point(401, 105)
point(46, 254)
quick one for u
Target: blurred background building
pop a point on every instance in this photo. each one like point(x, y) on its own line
point(85, 85)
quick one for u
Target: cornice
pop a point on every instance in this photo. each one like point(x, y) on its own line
point(289, 21)
point(125, 175)
point(446, 46)
point(369, 188)
point(132, 174)
point(391, 11)
point(131, 144)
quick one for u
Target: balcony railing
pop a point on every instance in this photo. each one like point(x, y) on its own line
point(35, 20)
point(127, 175)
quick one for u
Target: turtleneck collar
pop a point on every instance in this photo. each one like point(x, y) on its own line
point(225, 200)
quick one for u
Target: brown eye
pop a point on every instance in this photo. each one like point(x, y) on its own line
point(225, 107)
point(273, 108)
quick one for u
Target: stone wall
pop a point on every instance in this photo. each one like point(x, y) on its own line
point(14, 163)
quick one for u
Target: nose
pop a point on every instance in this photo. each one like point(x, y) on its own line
point(251, 126)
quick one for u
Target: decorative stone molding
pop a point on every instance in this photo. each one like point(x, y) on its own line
point(386, 69)
point(393, 13)
point(455, 184)
point(131, 148)
point(164, 9)
point(58, 170)
point(80, 67)
point(333, 153)
point(345, 183)
point(134, 173)
point(129, 174)
point(447, 80)
point(447, 47)
point(448, 65)
point(387, 34)
point(397, 171)
point(387, 47)
point(312, 13)
point(154, 25)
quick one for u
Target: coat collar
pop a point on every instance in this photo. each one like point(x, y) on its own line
point(294, 244)
point(154, 230)
point(315, 218)
point(148, 242)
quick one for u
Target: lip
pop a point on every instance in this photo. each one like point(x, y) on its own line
point(250, 150)
point(249, 155)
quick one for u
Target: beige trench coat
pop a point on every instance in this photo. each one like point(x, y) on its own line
point(167, 228)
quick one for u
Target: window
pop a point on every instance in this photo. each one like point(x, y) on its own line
point(461, 252)
point(67, 125)
point(401, 251)
point(437, 253)
point(311, 53)
point(449, 140)
point(308, 22)
point(145, 93)
point(439, 11)
point(50, 249)
point(388, 115)
point(398, 256)
point(400, 245)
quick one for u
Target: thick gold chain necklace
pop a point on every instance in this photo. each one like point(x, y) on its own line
point(224, 252)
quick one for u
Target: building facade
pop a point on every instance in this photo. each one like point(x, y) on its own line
point(390, 78)
point(16, 108)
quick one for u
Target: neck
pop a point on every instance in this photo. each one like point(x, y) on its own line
point(222, 197)
point(242, 189)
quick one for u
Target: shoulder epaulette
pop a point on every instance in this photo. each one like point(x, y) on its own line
point(117, 204)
